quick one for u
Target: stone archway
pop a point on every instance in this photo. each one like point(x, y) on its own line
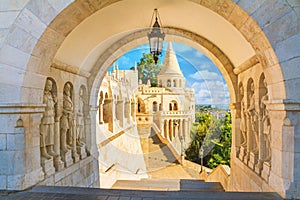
point(47, 33)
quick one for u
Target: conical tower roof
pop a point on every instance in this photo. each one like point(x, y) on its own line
point(170, 66)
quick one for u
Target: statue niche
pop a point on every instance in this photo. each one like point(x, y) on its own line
point(266, 125)
point(67, 127)
point(253, 120)
point(47, 124)
point(243, 124)
point(66, 122)
point(47, 128)
point(80, 119)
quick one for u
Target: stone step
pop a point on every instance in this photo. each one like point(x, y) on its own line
point(168, 185)
point(56, 192)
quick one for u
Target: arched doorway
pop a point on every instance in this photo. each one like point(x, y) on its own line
point(53, 52)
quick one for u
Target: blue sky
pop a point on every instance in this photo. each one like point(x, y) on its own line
point(200, 72)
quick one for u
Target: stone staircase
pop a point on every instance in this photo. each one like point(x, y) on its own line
point(76, 193)
point(168, 185)
point(157, 155)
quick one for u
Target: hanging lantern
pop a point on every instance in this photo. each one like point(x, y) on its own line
point(156, 37)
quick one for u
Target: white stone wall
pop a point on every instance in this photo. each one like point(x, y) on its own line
point(32, 32)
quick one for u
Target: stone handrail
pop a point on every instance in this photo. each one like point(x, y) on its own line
point(197, 167)
point(108, 140)
point(114, 167)
point(166, 142)
point(220, 174)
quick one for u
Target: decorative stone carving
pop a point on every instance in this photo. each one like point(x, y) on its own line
point(67, 137)
point(243, 126)
point(47, 130)
point(266, 125)
point(101, 102)
point(66, 120)
point(253, 120)
point(80, 125)
point(47, 124)
point(80, 119)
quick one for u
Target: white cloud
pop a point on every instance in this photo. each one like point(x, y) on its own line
point(206, 75)
point(210, 92)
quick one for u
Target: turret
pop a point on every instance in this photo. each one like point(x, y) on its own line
point(170, 75)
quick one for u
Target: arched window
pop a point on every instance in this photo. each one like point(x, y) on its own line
point(169, 83)
point(154, 106)
point(175, 106)
point(174, 83)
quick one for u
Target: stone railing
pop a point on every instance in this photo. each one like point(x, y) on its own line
point(113, 137)
point(174, 112)
point(220, 174)
point(197, 167)
point(151, 91)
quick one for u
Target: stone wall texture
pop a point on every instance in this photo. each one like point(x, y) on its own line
point(32, 31)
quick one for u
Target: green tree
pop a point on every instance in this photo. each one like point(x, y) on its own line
point(147, 70)
point(198, 133)
point(220, 154)
point(215, 137)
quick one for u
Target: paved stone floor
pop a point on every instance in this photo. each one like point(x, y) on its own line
point(73, 193)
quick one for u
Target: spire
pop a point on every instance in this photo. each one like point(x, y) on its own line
point(171, 66)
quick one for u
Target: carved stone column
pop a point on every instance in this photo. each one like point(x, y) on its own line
point(167, 131)
point(162, 127)
point(101, 101)
point(171, 128)
point(58, 163)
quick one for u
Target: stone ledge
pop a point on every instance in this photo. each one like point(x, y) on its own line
point(246, 65)
point(284, 105)
point(58, 176)
point(68, 68)
point(21, 108)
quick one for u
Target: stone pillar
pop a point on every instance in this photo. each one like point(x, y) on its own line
point(283, 168)
point(101, 101)
point(120, 112)
point(90, 131)
point(74, 145)
point(185, 131)
point(167, 131)
point(261, 153)
point(108, 111)
point(180, 132)
point(133, 111)
point(20, 146)
point(162, 127)
point(236, 139)
point(171, 129)
point(59, 165)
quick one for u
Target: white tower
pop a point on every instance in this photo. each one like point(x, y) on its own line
point(170, 75)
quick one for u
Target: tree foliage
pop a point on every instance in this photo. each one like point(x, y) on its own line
point(147, 70)
point(198, 133)
point(215, 137)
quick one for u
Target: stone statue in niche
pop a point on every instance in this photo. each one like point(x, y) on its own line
point(47, 124)
point(253, 117)
point(80, 119)
point(266, 125)
point(66, 124)
point(243, 123)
